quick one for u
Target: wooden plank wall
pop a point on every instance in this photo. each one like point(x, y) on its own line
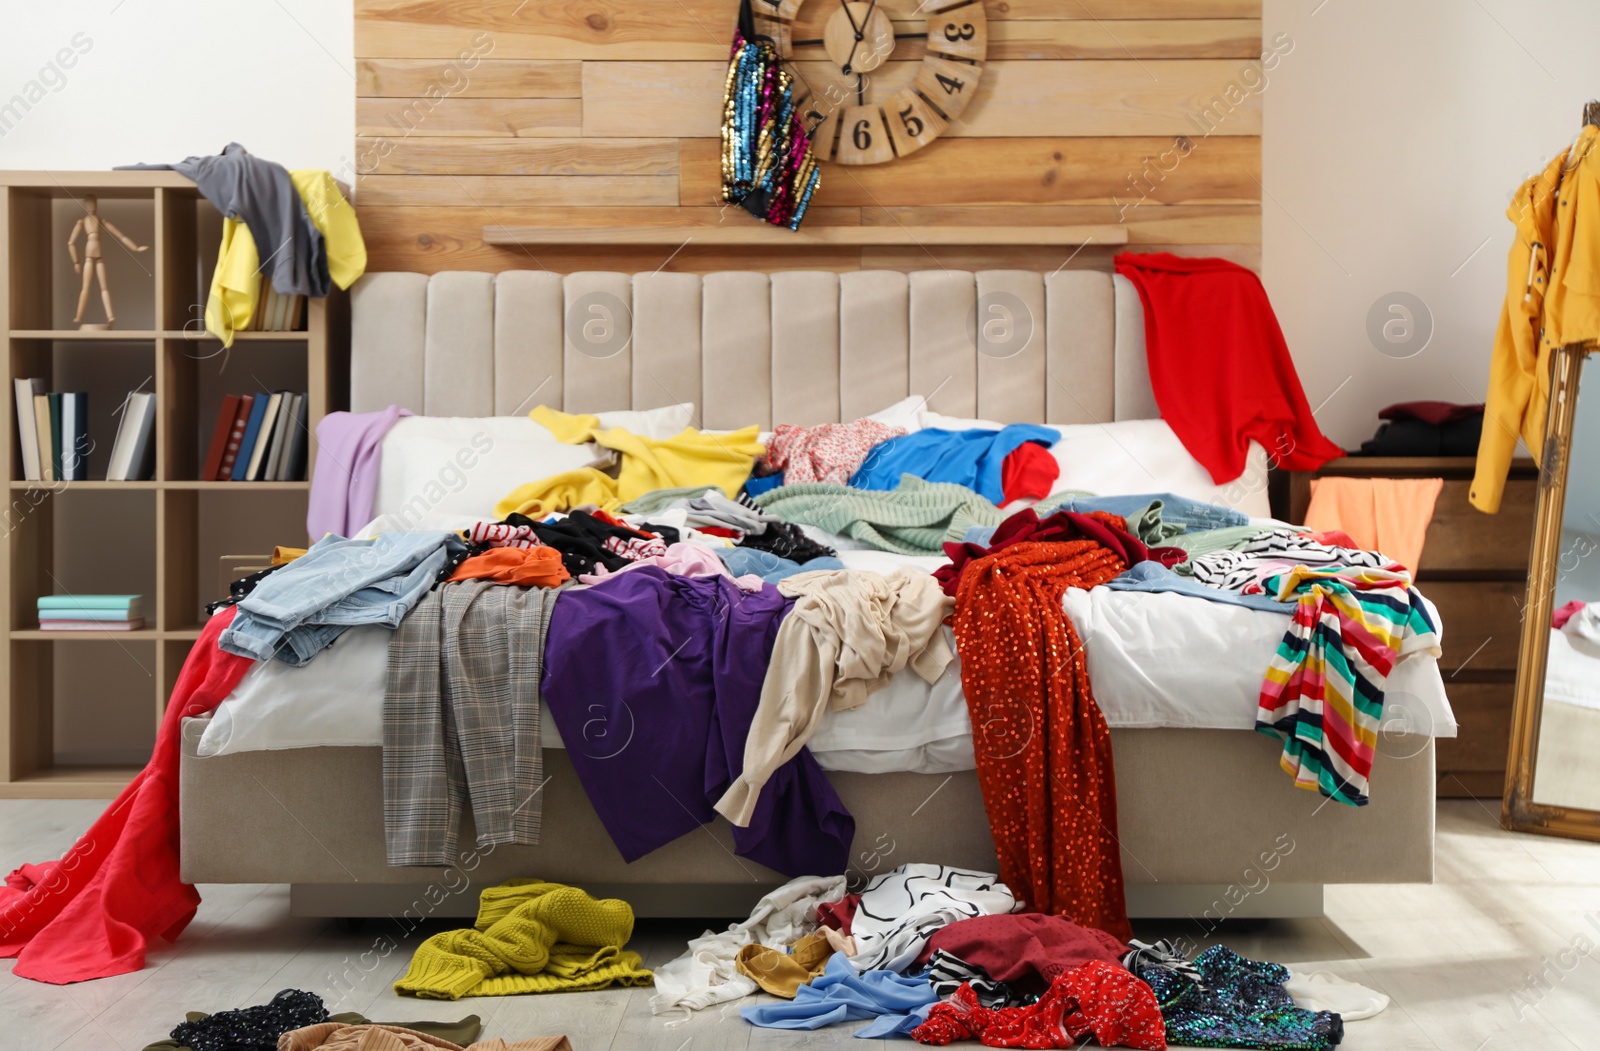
point(606, 113)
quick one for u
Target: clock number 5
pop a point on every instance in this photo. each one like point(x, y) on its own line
point(912, 122)
point(965, 31)
point(862, 136)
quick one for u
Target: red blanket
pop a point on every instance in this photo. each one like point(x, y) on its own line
point(1219, 365)
point(91, 913)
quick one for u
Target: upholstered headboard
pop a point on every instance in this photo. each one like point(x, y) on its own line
point(748, 347)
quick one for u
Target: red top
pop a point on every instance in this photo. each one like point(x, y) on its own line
point(1219, 366)
point(91, 913)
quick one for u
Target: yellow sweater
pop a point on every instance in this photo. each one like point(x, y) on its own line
point(692, 457)
point(236, 282)
point(530, 937)
point(1552, 301)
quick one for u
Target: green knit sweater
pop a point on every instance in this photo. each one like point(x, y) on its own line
point(914, 518)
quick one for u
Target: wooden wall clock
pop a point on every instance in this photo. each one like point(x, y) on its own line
point(860, 108)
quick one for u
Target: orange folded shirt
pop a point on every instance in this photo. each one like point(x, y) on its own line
point(533, 567)
point(1390, 515)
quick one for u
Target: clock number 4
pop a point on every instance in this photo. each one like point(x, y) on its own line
point(951, 85)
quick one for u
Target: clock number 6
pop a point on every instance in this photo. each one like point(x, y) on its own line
point(965, 32)
point(912, 122)
point(862, 136)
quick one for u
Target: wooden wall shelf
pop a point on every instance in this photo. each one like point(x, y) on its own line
point(185, 516)
point(746, 232)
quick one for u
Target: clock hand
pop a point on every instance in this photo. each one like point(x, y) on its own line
point(861, 89)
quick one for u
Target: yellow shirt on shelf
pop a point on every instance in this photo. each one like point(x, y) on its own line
point(236, 282)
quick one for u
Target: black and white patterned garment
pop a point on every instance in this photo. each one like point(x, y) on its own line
point(947, 973)
point(1161, 955)
point(901, 909)
point(1243, 569)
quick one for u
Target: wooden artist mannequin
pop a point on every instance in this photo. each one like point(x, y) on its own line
point(92, 266)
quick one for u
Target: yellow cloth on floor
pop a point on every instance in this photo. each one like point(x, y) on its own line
point(721, 461)
point(282, 556)
point(236, 281)
point(1390, 515)
point(783, 973)
point(530, 937)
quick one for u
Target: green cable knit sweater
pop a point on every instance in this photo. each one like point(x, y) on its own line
point(914, 518)
point(530, 937)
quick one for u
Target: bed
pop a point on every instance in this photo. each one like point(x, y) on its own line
point(1210, 827)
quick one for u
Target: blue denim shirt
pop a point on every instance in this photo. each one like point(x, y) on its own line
point(295, 613)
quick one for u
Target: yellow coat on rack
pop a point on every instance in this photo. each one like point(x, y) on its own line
point(1552, 301)
point(236, 282)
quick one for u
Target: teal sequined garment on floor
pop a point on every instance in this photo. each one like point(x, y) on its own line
point(1238, 1003)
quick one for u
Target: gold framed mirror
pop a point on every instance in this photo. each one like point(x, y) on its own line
point(1553, 763)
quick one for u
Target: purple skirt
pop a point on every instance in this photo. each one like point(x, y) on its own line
point(653, 680)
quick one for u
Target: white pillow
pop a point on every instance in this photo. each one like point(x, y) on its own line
point(1143, 456)
point(436, 466)
point(665, 422)
point(334, 701)
point(913, 414)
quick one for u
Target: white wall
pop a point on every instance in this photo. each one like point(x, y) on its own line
point(1395, 134)
point(160, 80)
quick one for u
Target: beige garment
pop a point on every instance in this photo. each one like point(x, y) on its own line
point(850, 631)
point(339, 1036)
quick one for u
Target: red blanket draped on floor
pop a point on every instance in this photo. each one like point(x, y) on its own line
point(1219, 366)
point(1042, 746)
point(91, 913)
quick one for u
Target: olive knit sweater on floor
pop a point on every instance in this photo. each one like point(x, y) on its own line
point(530, 937)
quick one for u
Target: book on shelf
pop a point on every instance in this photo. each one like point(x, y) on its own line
point(276, 312)
point(230, 453)
point(133, 451)
point(91, 612)
point(91, 625)
point(27, 428)
point(54, 431)
point(252, 431)
point(130, 605)
point(269, 421)
point(75, 436)
point(258, 438)
point(219, 437)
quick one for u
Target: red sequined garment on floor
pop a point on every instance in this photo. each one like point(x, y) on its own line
point(1098, 999)
point(1043, 748)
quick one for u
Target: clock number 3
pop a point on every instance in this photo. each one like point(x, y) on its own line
point(965, 31)
point(862, 136)
point(912, 122)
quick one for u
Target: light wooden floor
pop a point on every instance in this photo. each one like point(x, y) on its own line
point(1459, 957)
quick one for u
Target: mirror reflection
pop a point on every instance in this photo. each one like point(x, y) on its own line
point(1567, 768)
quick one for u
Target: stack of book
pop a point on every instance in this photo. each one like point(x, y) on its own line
point(54, 432)
point(91, 612)
point(258, 438)
point(276, 312)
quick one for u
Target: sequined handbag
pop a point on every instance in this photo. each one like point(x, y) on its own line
point(767, 164)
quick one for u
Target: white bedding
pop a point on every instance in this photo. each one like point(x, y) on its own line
point(1572, 671)
point(1154, 660)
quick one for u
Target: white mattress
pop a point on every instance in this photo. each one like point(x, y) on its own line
point(1572, 671)
point(1154, 660)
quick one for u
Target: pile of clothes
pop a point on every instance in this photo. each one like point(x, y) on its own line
point(944, 955)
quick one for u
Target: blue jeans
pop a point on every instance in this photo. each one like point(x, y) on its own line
point(294, 613)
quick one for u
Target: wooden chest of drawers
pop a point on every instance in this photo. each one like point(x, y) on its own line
point(1475, 570)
